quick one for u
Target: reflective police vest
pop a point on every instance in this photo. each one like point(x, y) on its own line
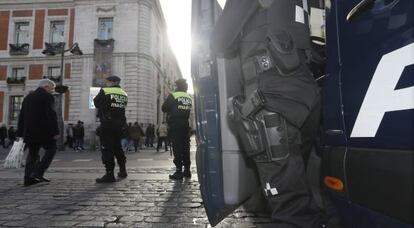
point(184, 101)
point(119, 97)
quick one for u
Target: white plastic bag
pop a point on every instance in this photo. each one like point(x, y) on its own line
point(15, 157)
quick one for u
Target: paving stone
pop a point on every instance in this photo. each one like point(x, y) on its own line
point(20, 223)
point(58, 212)
point(105, 203)
point(157, 219)
point(133, 218)
point(191, 205)
point(91, 224)
point(64, 224)
point(85, 218)
point(15, 217)
point(115, 225)
point(65, 217)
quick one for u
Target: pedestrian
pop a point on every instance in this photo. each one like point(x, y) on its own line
point(162, 133)
point(135, 132)
point(69, 135)
point(149, 134)
point(280, 102)
point(111, 102)
point(141, 140)
point(126, 137)
point(178, 107)
point(81, 135)
point(39, 128)
point(3, 135)
point(12, 136)
point(78, 133)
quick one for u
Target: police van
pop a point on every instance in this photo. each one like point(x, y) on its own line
point(367, 134)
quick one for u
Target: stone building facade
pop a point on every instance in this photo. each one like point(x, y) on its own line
point(121, 37)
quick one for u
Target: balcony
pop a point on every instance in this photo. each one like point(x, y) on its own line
point(16, 81)
point(57, 48)
point(56, 79)
point(109, 43)
point(19, 49)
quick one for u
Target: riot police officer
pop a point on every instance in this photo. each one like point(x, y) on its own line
point(178, 107)
point(277, 113)
point(111, 102)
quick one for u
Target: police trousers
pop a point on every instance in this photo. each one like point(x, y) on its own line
point(284, 180)
point(110, 137)
point(180, 140)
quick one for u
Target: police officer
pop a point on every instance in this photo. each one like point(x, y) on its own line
point(277, 113)
point(178, 107)
point(111, 102)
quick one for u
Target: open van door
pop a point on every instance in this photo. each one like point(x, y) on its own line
point(226, 180)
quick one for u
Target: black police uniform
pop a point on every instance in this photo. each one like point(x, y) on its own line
point(278, 118)
point(111, 103)
point(178, 106)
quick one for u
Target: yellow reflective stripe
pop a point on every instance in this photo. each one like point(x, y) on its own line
point(114, 90)
point(181, 94)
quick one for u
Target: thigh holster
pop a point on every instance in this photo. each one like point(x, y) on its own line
point(265, 136)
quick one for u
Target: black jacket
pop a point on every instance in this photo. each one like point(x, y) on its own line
point(178, 107)
point(111, 103)
point(37, 118)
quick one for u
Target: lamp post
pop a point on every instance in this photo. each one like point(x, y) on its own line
point(52, 50)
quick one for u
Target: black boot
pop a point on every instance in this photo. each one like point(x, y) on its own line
point(30, 181)
point(178, 175)
point(187, 173)
point(107, 178)
point(122, 171)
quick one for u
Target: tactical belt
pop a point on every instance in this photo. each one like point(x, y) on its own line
point(256, 65)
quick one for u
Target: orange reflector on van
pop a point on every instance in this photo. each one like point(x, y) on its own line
point(333, 183)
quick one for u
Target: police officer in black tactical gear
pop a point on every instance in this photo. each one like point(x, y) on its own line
point(111, 102)
point(277, 114)
point(178, 107)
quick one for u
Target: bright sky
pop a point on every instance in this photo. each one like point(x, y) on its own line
point(177, 14)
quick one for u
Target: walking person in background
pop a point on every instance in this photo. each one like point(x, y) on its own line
point(178, 107)
point(162, 133)
point(141, 140)
point(81, 135)
point(39, 128)
point(77, 136)
point(69, 136)
point(12, 136)
point(135, 132)
point(3, 135)
point(111, 102)
point(150, 134)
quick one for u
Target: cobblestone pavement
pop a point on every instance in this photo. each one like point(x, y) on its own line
point(147, 199)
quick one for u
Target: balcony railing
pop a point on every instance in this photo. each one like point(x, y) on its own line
point(106, 43)
point(53, 78)
point(16, 81)
point(19, 49)
point(56, 47)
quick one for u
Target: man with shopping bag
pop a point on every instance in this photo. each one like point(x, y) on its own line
point(39, 128)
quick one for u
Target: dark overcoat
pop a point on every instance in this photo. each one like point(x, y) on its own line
point(37, 118)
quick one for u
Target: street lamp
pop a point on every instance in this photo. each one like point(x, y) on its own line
point(51, 50)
